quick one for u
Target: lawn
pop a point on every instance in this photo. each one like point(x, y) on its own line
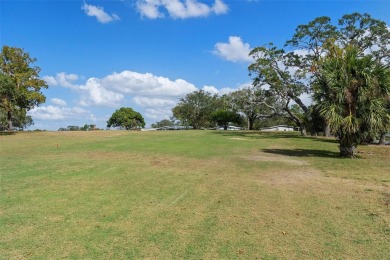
point(192, 195)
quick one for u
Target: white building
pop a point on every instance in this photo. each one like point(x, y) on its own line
point(280, 128)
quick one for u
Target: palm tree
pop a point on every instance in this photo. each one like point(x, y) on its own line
point(352, 95)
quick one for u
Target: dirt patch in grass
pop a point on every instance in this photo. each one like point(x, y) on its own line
point(115, 135)
point(274, 158)
point(239, 138)
point(292, 177)
point(372, 151)
point(312, 180)
point(158, 161)
point(165, 162)
point(103, 155)
point(386, 200)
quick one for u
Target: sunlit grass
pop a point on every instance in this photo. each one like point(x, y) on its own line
point(191, 194)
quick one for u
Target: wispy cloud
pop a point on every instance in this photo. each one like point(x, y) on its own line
point(99, 13)
point(58, 102)
point(179, 9)
point(62, 79)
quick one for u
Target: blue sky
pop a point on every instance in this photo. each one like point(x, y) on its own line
point(98, 56)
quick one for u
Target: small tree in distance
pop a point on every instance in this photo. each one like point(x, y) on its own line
point(162, 123)
point(126, 118)
point(224, 117)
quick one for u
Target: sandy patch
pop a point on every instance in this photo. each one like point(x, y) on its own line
point(302, 178)
point(275, 158)
point(110, 136)
point(239, 138)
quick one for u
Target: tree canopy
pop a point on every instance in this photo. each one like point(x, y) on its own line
point(352, 100)
point(224, 117)
point(162, 123)
point(195, 108)
point(271, 69)
point(126, 118)
point(20, 86)
point(308, 64)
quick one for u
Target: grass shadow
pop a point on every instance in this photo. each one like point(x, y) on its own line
point(274, 135)
point(332, 140)
point(299, 152)
point(258, 134)
point(7, 132)
point(303, 152)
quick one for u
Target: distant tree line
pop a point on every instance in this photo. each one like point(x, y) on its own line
point(201, 109)
point(86, 127)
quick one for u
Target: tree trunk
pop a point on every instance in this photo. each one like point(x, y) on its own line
point(382, 139)
point(296, 120)
point(225, 127)
point(327, 130)
point(303, 130)
point(9, 120)
point(299, 102)
point(250, 124)
point(347, 151)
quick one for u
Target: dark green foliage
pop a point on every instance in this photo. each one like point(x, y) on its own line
point(164, 122)
point(126, 118)
point(195, 108)
point(353, 101)
point(314, 121)
point(20, 86)
point(86, 127)
point(302, 69)
point(246, 101)
point(224, 117)
point(20, 120)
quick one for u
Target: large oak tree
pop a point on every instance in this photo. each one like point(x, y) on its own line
point(20, 85)
point(126, 118)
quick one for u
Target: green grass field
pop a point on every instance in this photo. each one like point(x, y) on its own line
point(192, 195)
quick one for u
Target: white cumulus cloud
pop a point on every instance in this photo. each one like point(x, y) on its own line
point(149, 8)
point(158, 113)
point(235, 50)
point(222, 91)
point(211, 89)
point(57, 113)
point(181, 9)
point(154, 96)
point(146, 84)
point(153, 102)
point(95, 94)
point(220, 7)
point(99, 13)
